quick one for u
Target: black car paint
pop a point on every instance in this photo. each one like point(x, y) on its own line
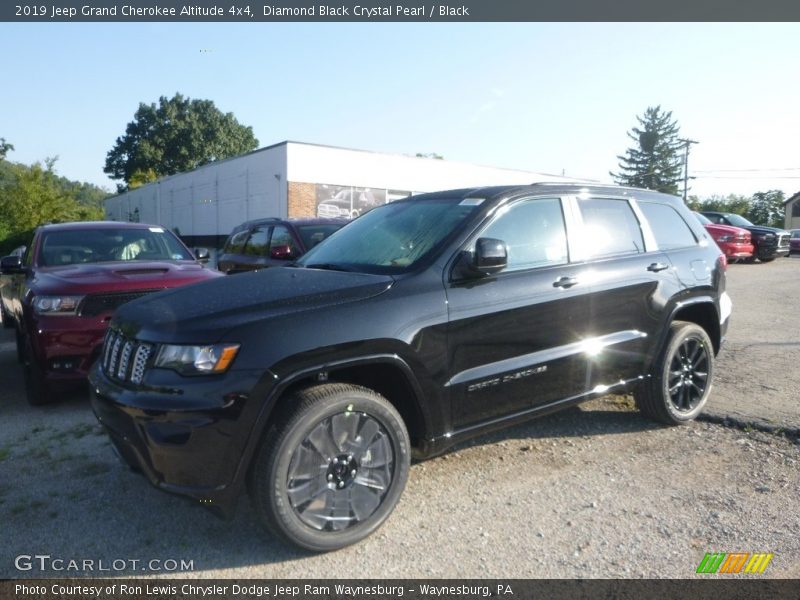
point(467, 356)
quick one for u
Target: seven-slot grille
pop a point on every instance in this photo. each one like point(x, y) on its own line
point(125, 359)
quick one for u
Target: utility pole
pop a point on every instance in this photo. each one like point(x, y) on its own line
point(686, 143)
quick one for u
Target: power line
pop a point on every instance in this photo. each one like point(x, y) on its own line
point(746, 170)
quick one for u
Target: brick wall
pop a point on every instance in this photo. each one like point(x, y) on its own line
point(302, 199)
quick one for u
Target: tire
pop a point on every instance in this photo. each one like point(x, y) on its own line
point(37, 389)
point(309, 482)
point(766, 260)
point(20, 346)
point(7, 322)
point(679, 386)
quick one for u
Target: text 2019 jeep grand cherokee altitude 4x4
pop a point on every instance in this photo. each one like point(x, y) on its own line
point(423, 322)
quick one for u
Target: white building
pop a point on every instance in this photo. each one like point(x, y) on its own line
point(293, 179)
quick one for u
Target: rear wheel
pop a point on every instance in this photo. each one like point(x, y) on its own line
point(332, 467)
point(678, 389)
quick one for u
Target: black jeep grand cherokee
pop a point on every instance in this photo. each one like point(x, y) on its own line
point(423, 322)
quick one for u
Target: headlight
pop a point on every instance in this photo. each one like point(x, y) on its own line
point(725, 238)
point(56, 305)
point(197, 360)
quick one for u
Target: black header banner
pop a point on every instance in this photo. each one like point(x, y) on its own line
point(397, 10)
point(414, 589)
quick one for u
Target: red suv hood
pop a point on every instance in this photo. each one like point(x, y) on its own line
point(95, 278)
point(718, 230)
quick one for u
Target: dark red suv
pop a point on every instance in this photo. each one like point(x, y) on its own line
point(61, 294)
point(265, 243)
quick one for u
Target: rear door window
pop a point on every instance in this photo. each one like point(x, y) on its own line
point(609, 228)
point(258, 242)
point(668, 227)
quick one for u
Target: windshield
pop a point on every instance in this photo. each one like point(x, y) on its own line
point(76, 246)
point(738, 220)
point(392, 238)
point(702, 218)
point(314, 234)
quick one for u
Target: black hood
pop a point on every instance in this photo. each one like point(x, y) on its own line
point(763, 229)
point(203, 312)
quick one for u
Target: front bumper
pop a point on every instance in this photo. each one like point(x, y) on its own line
point(65, 346)
point(189, 440)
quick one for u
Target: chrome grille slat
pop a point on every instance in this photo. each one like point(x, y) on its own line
point(139, 362)
point(125, 359)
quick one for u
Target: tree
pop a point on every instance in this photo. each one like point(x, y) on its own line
point(429, 155)
point(766, 208)
point(5, 148)
point(180, 134)
point(33, 195)
point(654, 161)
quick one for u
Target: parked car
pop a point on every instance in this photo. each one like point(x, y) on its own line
point(422, 323)
point(273, 242)
point(735, 242)
point(60, 296)
point(769, 242)
point(794, 241)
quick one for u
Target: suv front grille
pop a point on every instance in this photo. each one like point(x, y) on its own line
point(100, 303)
point(125, 359)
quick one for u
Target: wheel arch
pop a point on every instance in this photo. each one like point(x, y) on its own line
point(702, 312)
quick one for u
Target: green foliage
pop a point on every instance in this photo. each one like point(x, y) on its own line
point(33, 195)
point(429, 155)
point(654, 162)
point(763, 208)
point(766, 208)
point(178, 135)
point(5, 148)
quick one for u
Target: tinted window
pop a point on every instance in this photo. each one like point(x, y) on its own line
point(533, 231)
point(258, 242)
point(236, 242)
point(609, 227)
point(669, 228)
point(281, 236)
point(68, 247)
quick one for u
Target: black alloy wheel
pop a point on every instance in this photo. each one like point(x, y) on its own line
point(678, 387)
point(332, 467)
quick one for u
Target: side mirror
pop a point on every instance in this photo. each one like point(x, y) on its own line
point(10, 265)
point(491, 256)
point(201, 254)
point(283, 252)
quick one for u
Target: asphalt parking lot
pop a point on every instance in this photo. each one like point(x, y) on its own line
point(595, 491)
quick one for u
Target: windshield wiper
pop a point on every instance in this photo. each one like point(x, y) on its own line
point(327, 267)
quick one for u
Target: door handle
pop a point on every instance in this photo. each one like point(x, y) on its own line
point(656, 267)
point(565, 282)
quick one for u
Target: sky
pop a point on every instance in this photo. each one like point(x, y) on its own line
point(553, 98)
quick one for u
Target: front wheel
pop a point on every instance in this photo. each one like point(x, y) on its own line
point(37, 389)
point(680, 383)
point(332, 467)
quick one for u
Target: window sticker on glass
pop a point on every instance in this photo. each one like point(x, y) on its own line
point(471, 202)
point(156, 229)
